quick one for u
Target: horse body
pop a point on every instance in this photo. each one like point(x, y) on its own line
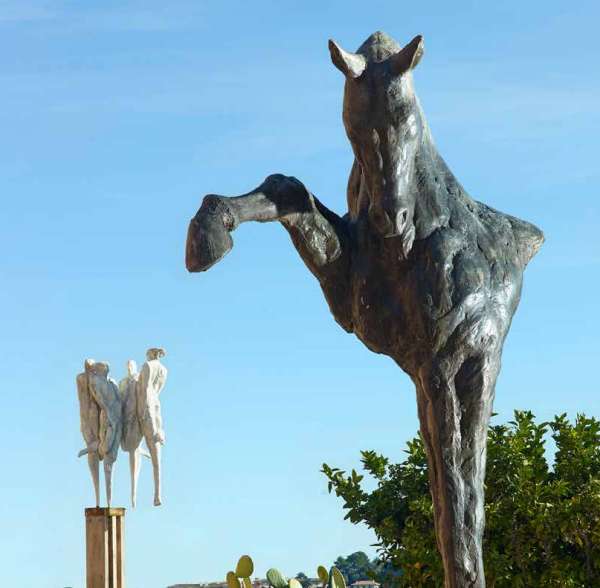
point(416, 269)
point(461, 281)
point(442, 313)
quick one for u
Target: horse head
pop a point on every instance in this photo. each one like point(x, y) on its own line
point(384, 125)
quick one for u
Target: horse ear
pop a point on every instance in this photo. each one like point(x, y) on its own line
point(352, 65)
point(408, 57)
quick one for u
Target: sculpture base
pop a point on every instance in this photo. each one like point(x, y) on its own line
point(104, 540)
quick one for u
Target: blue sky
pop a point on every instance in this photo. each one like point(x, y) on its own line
point(117, 117)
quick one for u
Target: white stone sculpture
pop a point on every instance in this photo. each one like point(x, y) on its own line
point(122, 415)
point(132, 431)
point(105, 392)
point(150, 382)
point(89, 413)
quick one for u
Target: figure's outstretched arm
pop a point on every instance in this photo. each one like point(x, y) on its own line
point(319, 235)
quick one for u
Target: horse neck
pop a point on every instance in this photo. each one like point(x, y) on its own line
point(430, 181)
point(433, 184)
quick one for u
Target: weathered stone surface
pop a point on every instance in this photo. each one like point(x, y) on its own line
point(123, 415)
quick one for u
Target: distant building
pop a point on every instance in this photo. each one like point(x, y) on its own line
point(256, 583)
point(365, 584)
point(263, 583)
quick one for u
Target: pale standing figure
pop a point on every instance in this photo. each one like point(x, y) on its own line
point(89, 412)
point(105, 392)
point(151, 381)
point(132, 431)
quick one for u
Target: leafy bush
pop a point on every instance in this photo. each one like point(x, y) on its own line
point(542, 521)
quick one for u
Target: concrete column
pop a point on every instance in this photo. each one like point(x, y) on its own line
point(104, 538)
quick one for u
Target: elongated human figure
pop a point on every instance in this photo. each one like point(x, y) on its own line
point(132, 432)
point(150, 383)
point(105, 392)
point(89, 413)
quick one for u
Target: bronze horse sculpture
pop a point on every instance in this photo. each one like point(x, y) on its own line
point(416, 268)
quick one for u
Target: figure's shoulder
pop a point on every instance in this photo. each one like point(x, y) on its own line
point(82, 382)
point(144, 374)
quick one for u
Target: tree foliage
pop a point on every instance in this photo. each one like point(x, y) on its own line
point(303, 579)
point(354, 567)
point(542, 521)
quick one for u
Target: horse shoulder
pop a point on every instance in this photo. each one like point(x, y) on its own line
point(505, 238)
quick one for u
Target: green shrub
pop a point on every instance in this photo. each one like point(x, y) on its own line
point(542, 521)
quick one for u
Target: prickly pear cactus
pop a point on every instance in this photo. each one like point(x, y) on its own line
point(245, 568)
point(323, 575)
point(336, 579)
point(232, 580)
point(277, 579)
point(241, 577)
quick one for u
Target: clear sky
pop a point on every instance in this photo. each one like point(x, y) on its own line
point(116, 118)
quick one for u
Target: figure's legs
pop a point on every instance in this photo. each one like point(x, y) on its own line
point(155, 450)
point(94, 465)
point(135, 463)
point(454, 411)
point(108, 479)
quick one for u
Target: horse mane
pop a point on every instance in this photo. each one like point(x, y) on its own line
point(378, 47)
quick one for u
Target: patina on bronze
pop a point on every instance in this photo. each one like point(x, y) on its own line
point(416, 268)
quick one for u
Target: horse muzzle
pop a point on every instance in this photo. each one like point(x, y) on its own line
point(394, 224)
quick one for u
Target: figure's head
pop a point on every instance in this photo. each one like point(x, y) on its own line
point(155, 353)
point(381, 120)
point(101, 368)
point(131, 367)
point(88, 365)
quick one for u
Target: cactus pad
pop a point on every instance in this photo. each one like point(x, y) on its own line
point(245, 567)
point(276, 579)
point(232, 581)
point(323, 574)
point(336, 579)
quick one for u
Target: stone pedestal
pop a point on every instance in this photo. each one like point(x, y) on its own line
point(104, 539)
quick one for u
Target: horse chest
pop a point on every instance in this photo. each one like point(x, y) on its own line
point(406, 308)
point(389, 315)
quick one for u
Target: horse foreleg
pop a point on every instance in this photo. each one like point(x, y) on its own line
point(454, 411)
point(318, 234)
